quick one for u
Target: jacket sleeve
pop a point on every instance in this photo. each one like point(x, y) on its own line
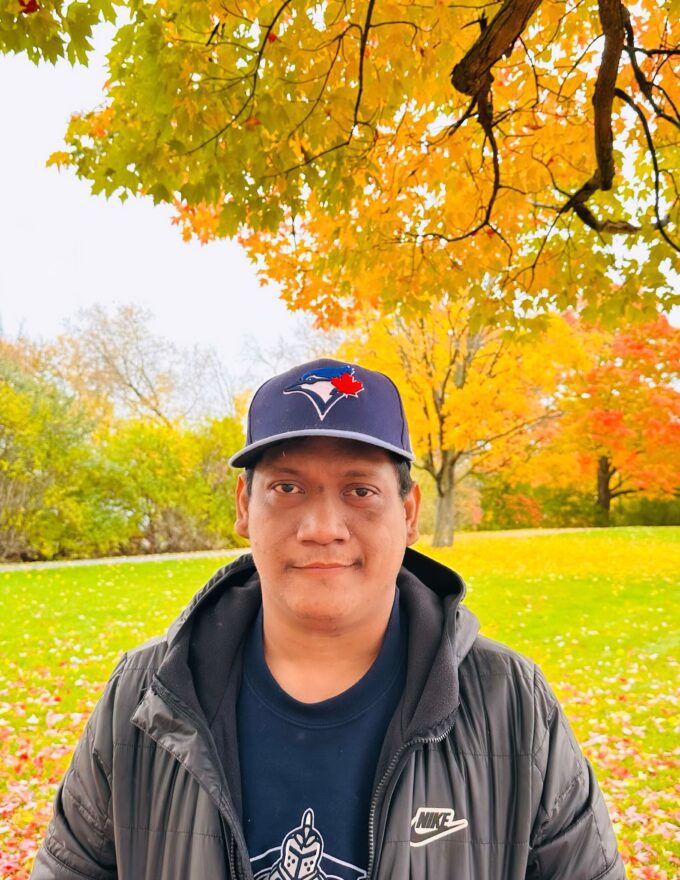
point(79, 842)
point(572, 837)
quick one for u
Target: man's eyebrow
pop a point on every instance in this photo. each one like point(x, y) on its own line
point(358, 473)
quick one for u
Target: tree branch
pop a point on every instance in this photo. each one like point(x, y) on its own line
point(577, 204)
point(472, 75)
point(252, 75)
point(362, 54)
point(620, 492)
point(644, 84)
point(612, 20)
point(660, 222)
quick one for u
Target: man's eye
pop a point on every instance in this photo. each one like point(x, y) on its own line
point(362, 491)
point(286, 488)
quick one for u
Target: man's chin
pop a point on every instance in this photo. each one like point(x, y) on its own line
point(323, 601)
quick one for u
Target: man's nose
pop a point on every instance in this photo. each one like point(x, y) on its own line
point(322, 521)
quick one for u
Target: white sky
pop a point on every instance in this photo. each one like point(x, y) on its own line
point(62, 248)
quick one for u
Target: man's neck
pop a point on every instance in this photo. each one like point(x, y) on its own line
point(313, 665)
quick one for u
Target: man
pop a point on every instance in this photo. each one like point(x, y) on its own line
point(325, 707)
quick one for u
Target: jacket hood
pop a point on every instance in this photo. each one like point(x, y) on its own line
point(441, 632)
point(202, 666)
point(209, 634)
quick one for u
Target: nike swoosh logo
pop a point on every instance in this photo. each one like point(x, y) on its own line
point(433, 823)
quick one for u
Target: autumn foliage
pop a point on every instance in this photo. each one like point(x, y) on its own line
point(577, 408)
point(471, 394)
point(527, 148)
point(619, 428)
point(98, 454)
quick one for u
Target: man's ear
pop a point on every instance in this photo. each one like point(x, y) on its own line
point(411, 511)
point(242, 501)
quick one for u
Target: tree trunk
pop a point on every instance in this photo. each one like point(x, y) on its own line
point(604, 492)
point(444, 523)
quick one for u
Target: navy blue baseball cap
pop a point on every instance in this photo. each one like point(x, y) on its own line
point(326, 398)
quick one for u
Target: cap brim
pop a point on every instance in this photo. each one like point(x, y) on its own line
point(249, 454)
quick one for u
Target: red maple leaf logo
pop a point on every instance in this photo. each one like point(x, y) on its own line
point(347, 384)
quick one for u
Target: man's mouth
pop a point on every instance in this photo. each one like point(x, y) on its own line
point(323, 566)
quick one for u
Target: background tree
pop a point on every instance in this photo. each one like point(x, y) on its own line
point(492, 135)
point(177, 486)
point(471, 394)
point(116, 364)
point(54, 487)
point(80, 477)
point(619, 429)
point(305, 343)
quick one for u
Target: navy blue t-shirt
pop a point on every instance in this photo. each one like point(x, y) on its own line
point(307, 768)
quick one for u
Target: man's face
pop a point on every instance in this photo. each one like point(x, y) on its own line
point(327, 529)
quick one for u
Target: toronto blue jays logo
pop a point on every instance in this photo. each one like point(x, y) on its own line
point(326, 386)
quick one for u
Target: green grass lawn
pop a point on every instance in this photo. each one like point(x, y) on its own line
point(597, 610)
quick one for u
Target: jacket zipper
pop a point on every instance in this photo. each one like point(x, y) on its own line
point(406, 747)
point(231, 846)
point(228, 843)
point(228, 817)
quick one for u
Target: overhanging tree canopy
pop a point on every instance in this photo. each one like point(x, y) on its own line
point(516, 138)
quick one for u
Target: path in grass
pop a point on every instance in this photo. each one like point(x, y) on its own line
point(597, 610)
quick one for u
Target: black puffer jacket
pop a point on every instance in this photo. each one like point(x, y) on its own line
point(480, 777)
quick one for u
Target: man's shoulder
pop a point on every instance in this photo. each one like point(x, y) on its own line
point(508, 689)
point(146, 657)
point(134, 671)
point(488, 657)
